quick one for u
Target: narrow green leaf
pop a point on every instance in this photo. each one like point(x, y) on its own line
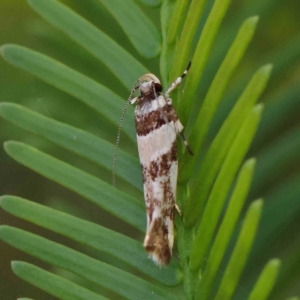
point(201, 54)
point(125, 67)
point(24, 299)
point(151, 3)
point(103, 100)
point(221, 144)
point(102, 239)
point(81, 142)
point(228, 30)
point(109, 198)
point(288, 278)
point(177, 20)
point(183, 47)
point(216, 92)
point(266, 281)
point(221, 187)
point(240, 252)
point(120, 282)
point(167, 52)
point(293, 298)
point(222, 239)
point(52, 284)
point(137, 26)
point(285, 58)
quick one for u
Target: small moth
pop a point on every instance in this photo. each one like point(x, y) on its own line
point(157, 125)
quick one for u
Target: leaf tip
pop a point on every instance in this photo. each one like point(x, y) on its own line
point(2, 200)
point(250, 163)
point(10, 146)
point(13, 264)
point(3, 228)
point(4, 48)
point(6, 145)
point(9, 52)
point(275, 263)
point(257, 204)
point(252, 20)
point(266, 69)
point(16, 264)
point(4, 105)
point(257, 109)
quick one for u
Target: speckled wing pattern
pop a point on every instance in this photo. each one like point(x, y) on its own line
point(156, 127)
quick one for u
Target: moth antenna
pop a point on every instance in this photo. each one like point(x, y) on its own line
point(119, 133)
point(118, 141)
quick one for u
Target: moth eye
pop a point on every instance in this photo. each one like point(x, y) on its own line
point(158, 87)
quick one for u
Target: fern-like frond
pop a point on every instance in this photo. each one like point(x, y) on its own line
point(215, 237)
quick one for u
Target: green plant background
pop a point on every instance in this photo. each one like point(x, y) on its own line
point(276, 146)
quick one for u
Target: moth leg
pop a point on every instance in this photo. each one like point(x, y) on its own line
point(177, 81)
point(178, 210)
point(185, 143)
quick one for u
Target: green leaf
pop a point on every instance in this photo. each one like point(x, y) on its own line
point(228, 30)
point(137, 26)
point(293, 298)
point(102, 239)
point(104, 101)
point(120, 282)
point(216, 92)
point(125, 67)
point(151, 3)
point(52, 284)
point(25, 299)
point(222, 239)
point(288, 278)
point(109, 198)
point(183, 47)
point(201, 55)
point(240, 252)
point(266, 281)
point(167, 52)
point(221, 187)
point(222, 143)
point(176, 21)
point(81, 142)
point(284, 58)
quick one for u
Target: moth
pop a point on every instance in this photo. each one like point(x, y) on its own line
point(157, 125)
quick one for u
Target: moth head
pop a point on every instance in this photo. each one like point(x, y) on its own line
point(148, 84)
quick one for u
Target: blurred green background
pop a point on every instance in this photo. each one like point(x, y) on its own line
point(277, 145)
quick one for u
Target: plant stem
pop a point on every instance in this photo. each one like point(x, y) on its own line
point(185, 237)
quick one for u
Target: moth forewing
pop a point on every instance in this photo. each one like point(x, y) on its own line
point(157, 125)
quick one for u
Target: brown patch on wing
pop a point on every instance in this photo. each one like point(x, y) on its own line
point(145, 122)
point(161, 166)
point(157, 244)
